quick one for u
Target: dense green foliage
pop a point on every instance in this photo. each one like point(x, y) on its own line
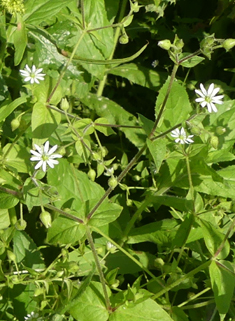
point(131, 221)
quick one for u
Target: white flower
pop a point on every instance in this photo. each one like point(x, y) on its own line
point(31, 316)
point(33, 75)
point(208, 97)
point(181, 136)
point(44, 156)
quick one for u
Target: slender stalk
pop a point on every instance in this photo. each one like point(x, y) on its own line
point(97, 262)
point(191, 188)
point(66, 66)
point(175, 68)
point(194, 297)
point(73, 217)
point(225, 239)
point(118, 246)
point(180, 280)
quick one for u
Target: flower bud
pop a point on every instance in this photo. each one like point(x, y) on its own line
point(228, 44)
point(92, 174)
point(112, 182)
point(64, 104)
point(214, 142)
point(15, 123)
point(124, 39)
point(164, 44)
point(220, 130)
point(45, 217)
point(158, 263)
point(20, 225)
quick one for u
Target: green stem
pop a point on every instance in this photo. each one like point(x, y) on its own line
point(97, 262)
point(66, 66)
point(225, 239)
point(175, 68)
point(73, 217)
point(129, 255)
point(180, 280)
point(191, 188)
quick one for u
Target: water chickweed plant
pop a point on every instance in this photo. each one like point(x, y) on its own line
point(117, 193)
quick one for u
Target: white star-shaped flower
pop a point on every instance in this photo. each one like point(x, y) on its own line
point(33, 75)
point(181, 136)
point(208, 97)
point(44, 156)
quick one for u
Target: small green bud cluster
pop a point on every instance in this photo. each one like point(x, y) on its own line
point(207, 45)
point(13, 6)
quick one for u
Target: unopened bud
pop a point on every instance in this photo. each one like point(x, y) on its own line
point(164, 44)
point(64, 104)
point(158, 263)
point(228, 44)
point(112, 182)
point(124, 39)
point(20, 225)
point(220, 130)
point(15, 123)
point(92, 174)
point(214, 142)
point(45, 217)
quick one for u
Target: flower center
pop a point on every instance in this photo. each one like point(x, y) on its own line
point(45, 157)
point(208, 99)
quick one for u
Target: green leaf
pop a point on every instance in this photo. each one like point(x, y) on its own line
point(104, 130)
point(223, 283)
point(183, 231)
point(26, 251)
point(157, 149)
point(162, 233)
point(65, 231)
point(146, 123)
point(140, 75)
point(74, 187)
point(177, 107)
point(213, 239)
point(115, 114)
point(20, 42)
point(7, 200)
point(4, 219)
point(96, 17)
point(90, 305)
point(38, 11)
point(17, 157)
point(8, 107)
point(147, 310)
point(44, 122)
point(79, 292)
point(106, 213)
point(192, 62)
